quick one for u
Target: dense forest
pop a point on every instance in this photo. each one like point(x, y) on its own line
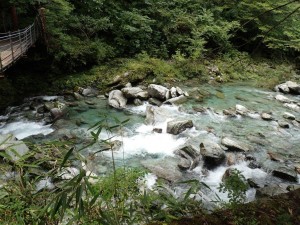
point(81, 34)
point(151, 112)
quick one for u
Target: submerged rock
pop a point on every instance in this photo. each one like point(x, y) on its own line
point(116, 99)
point(234, 145)
point(178, 126)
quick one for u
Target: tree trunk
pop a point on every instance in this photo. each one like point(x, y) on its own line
point(14, 18)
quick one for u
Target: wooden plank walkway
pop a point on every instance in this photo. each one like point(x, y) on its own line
point(14, 45)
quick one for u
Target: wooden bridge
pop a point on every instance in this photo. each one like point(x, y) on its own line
point(13, 45)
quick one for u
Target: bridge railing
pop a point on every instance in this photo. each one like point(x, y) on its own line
point(14, 45)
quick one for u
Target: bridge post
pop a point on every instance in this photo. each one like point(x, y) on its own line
point(11, 47)
point(20, 42)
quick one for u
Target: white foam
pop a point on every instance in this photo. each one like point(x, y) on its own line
point(25, 129)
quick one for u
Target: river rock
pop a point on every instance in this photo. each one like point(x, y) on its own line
point(188, 152)
point(156, 115)
point(177, 100)
point(240, 109)
point(89, 92)
point(166, 168)
point(135, 92)
point(178, 126)
point(282, 99)
point(266, 116)
point(283, 124)
point(272, 190)
point(230, 159)
point(116, 99)
point(184, 164)
point(12, 147)
point(56, 113)
point(294, 88)
point(282, 88)
point(229, 112)
point(256, 182)
point(292, 106)
point(297, 168)
point(200, 109)
point(154, 101)
point(137, 102)
point(289, 116)
point(49, 105)
point(234, 145)
point(212, 153)
point(158, 91)
point(77, 96)
point(276, 157)
point(285, 173)
point(173, 92)
point(179, 91)
point(157, 130)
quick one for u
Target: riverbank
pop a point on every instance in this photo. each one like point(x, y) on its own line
point(27, 80)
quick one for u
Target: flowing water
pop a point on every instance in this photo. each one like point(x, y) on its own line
point(141, 144)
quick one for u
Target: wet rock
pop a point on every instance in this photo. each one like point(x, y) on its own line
point(289, 116)
point(137, 102)
point(158, 91)
point(256, 182)
point(135, 92)
point(234, 145)
point(228, 112)
point(212, 153)
point(154, 101)
point(156, 115)
point(177, 100)
point(292, 106)
point(12, 147)
point(188, 152)
point(258, 140)
point(254, 165)
point(282, 99)
point(49, 105)
point(242, 110)
point(230, 159)
point(282, 88)
point(178, 126)
point(266, 116)
point(285, 173)
point(89, 92)
point(272, 190)
point(283, 124)
point(157, 130)
point(297, 168)
point(166, 168)
point(200, 109)
point(276, 157)
point(295, 123)
point(294, 88)
point(184, 164)
point(116, 99)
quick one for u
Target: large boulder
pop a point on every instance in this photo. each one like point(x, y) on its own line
point(288, 87)
point(156, 115)
point(188, 154)
point(272, 190)
point(158, 91)
point(116, 99)
point(286, 173)
point(13, 148)
point(135, 92)
point(166, 168)
point(292, 106)
point(178, 126)
point(234, 145)
point(212, 153)
point(89, 92)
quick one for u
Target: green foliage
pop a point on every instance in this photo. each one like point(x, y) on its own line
point(236, 186)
